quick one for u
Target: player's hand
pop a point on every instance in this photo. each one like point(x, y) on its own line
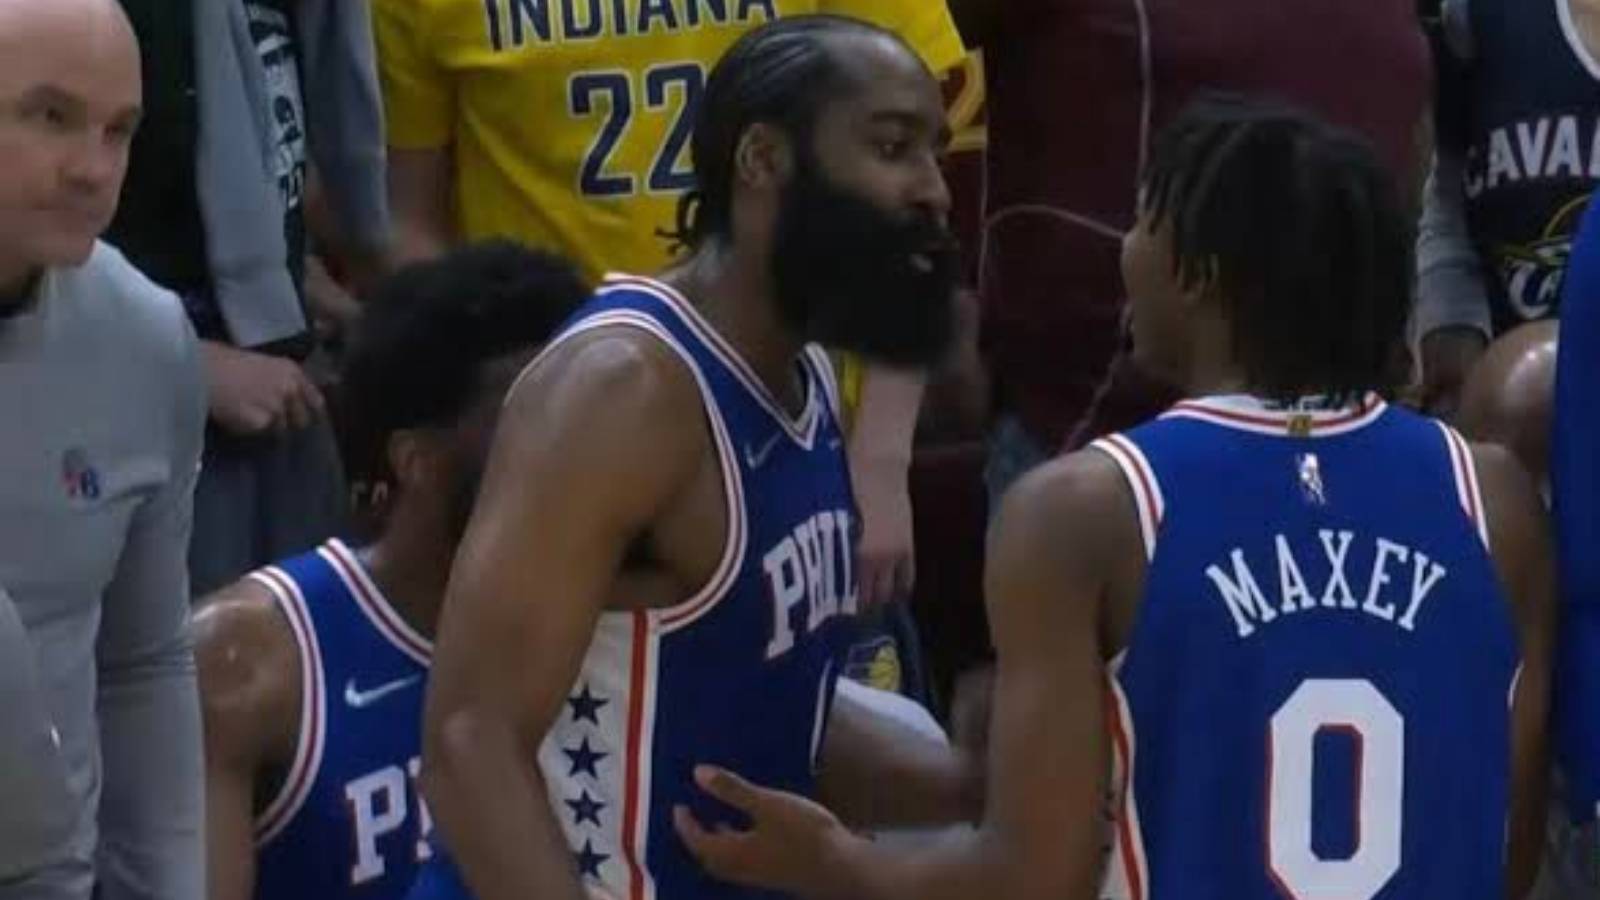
point(250, 393)
point(331, 305)
point(886, 559)
point(1448, 355)
point(788, 847)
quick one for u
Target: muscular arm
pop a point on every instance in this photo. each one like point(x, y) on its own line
point(1057, 549)
point(422, 198)
point(878, 772)
point(1047, 577)
point(880, 462)
point(250, 700)
point(591, 446)
point(1521, 545)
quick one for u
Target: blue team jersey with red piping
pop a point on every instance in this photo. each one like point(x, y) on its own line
point(1315, 697)
point(348, 821)
point(740, 675)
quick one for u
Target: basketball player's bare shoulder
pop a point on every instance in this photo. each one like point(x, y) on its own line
point(1510, 395)
point(1519, 530)
point(613, 374)
point(1071, 520)
point(249, 668)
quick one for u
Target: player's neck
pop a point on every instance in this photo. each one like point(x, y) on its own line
point(409, 568)
point(1212, 369)
point(736, 295)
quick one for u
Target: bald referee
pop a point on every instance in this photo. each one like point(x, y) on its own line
point(103, 405)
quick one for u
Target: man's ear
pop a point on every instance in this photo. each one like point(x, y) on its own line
point(764, 157)
point(410, 458)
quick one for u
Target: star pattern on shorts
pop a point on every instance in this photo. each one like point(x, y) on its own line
point(589, 862)
point(585, 809)
point(586, 706)
point(584, 759)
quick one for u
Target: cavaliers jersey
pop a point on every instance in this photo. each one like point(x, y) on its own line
point(1315, 697)
point(570, 119)
point(1531, 108)
point(348, 820)
point(741, 674)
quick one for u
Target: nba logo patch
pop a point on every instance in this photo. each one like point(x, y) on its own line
point(1309, 472)
point(78, 476)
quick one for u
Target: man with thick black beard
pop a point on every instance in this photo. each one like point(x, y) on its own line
point(686, 428)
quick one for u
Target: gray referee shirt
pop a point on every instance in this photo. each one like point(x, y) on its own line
point(102, 407)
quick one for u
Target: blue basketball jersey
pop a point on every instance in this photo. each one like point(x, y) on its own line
point(741, 674)
point(348, 820)
point(1315, 697)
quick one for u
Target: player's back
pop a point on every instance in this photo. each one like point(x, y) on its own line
point(347, 820)
point(1315, 695)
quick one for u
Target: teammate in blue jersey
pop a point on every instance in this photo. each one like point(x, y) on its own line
point(680, 426)
point(312, 670)
point(1302, 636)
point(1575, 479)
point(1509, 399)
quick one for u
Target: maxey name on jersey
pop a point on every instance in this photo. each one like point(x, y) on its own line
point(1393, 590)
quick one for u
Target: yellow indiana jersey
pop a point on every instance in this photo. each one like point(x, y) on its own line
point(570, 120)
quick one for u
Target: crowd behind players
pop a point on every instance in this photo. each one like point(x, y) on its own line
point(289, 161)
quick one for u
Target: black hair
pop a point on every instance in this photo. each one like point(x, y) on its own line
point(780, 74)
point(1298, 230)
point(416, 358)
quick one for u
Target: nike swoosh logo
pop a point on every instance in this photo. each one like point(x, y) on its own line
point(755, 459)
point(363, 699)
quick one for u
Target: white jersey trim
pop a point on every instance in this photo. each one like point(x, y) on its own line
point(1127, 874)
point(1466, 480)
point(389, 624)
point(1142, 481)
point(1244, 413)
point(302, 772)
point(802, 430)
point(637, 785)
point(823, 368)
point(683, 614)
point(610, 759)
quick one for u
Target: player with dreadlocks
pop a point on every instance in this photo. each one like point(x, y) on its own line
point(1302, 636)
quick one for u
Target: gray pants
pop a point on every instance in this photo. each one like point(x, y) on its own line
point(260, 499)
point(39, 812)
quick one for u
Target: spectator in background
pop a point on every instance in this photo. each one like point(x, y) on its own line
point(567, 127)
point(1517, 160)
point(215, 209)
point(1083, 84)
point(102, 399)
